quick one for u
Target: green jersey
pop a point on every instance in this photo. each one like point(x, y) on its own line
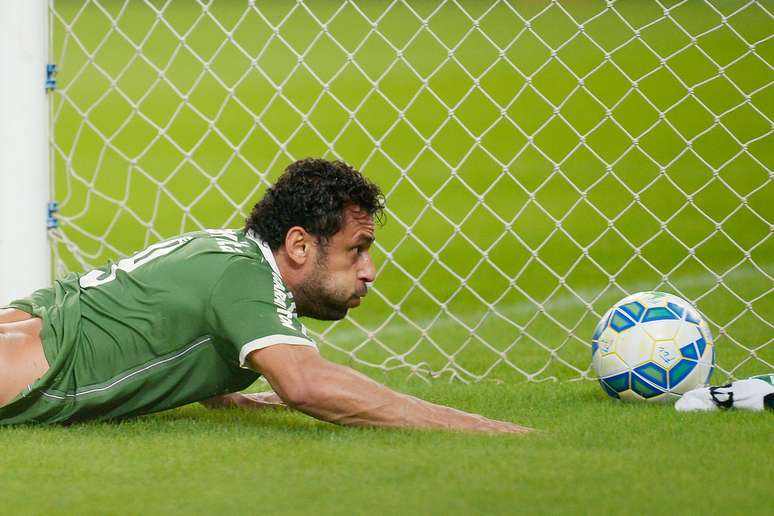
point(168, 326)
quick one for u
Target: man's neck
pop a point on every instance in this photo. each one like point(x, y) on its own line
point(290, 273)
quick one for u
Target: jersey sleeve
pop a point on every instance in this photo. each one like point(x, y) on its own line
point(252, 309)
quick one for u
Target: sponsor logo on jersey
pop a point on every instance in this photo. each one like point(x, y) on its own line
point(283, 300)
point(284, 312)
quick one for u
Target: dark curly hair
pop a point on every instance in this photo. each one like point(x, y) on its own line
point(312, 194)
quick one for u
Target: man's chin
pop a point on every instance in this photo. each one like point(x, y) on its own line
point(329, 313)
point(330, 316)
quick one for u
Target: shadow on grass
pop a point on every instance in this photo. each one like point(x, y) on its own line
point(188, 420)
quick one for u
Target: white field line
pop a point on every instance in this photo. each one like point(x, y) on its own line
point(557, 304)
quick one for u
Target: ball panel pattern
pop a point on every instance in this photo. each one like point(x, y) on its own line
point(609, 390)
point(619, 382)
point(607, 341)
point(627, 346)
point(696, 378)
point(634, 310)
point(659, 313)
point(653, 373)
point(664, 329)
point(643, 388)
point(689, 351)
point(621, 322)
point(676, 309)
point(702, 345)
point(665, 353)
point(679, 372)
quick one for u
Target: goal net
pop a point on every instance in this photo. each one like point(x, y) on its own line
point(540, 159)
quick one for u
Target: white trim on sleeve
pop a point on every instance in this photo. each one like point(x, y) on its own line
point(271, 340)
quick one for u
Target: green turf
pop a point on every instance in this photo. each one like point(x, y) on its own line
point(592, 456)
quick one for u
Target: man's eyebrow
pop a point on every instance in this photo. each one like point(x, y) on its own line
point(364, 238)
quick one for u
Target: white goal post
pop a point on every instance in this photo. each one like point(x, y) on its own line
point(540, 159)
point(25, 263)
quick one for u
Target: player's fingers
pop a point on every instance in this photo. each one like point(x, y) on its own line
point(513, 428)
point(266, 398)
point(516, 429)
point(508, 427)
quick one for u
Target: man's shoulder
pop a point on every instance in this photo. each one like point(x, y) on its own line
point(204, 257)
point(220, 247)
point(243, 261)
point(223, 240)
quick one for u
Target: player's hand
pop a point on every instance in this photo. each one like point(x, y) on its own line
point(494, 426)
point(260, 400)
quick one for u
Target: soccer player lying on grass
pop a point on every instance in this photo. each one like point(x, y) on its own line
point(202, 316)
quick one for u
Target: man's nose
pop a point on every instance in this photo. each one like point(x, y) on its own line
point(367, 269)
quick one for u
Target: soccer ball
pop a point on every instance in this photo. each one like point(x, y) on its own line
point(652, 346)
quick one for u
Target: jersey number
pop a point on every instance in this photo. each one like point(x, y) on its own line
point(97, 277)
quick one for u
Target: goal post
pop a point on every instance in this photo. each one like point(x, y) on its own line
point(25, 263)
point(540, 159)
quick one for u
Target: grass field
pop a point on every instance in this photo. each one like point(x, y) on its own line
point(514, 222)
point(592, 456)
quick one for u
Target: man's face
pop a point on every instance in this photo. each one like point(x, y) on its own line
point(341, 271)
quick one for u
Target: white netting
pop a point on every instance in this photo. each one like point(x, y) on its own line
point(540, 159)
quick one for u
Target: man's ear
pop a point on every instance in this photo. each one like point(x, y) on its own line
point(298, 245)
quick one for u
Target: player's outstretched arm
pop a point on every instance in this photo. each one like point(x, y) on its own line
point(309, 383)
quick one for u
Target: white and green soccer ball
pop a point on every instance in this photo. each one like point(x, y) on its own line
point(652, 346)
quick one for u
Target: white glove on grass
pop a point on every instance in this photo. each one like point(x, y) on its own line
point(755, 393)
